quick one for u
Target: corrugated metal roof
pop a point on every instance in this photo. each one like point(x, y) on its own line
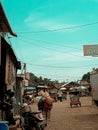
point(4, 24)
point(42, 86)
point(11, 53)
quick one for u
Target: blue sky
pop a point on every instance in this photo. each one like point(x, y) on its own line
point(50, 37)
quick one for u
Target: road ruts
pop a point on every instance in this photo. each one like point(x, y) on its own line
point(78, 118)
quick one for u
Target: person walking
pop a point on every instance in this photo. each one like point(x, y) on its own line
point(60, 95)
point(45, 104)
point(48, 105)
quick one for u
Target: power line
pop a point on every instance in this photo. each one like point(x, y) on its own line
point(54, 50)
point(51, 49)
point(43, 41)
point(61, 67)
point(61, 29)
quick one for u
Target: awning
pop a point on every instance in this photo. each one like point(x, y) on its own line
point(63, 88)
point(30, 87)
point(42, 86)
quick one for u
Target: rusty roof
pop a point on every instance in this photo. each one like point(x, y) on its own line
point(4, 24)
point(11, 53)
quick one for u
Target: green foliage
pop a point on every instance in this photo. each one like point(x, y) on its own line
point(86, 77)
point(39, 80)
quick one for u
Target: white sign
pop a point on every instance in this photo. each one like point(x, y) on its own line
point(26, 82)
point(90, 50)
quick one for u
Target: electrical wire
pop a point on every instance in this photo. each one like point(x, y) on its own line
point(51, 49)
point(61, 67)
point(59, 44)
point(61, 29)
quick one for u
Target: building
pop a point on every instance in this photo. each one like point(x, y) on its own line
point(8, 60)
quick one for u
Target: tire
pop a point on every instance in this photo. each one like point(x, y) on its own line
point(42, 128)
point(34, 128)
point(37, 128)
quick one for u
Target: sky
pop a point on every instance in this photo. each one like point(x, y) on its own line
point(51, 35)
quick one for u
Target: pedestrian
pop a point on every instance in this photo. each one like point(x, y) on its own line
point(48, 105)
point(45, 104)
point(60, 95)
point(11, 103)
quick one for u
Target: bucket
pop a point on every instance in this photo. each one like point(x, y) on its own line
point(3, 125)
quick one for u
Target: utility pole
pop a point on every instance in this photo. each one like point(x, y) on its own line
point(25, 78)
point(23, 74)
point(24, 71)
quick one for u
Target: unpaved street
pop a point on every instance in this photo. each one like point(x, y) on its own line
point(78, 118)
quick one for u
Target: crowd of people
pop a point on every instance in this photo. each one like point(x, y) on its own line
point(44, 104)
point(45, 99)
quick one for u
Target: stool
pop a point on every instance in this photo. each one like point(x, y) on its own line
point(3, 125)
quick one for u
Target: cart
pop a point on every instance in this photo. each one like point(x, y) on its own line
point(74, 100)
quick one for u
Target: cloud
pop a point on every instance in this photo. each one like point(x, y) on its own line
point(53, 25)
point(32, 19)
point(63, 57)
point(37, 20)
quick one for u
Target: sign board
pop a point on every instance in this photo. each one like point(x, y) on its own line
point(26, 82)
point(90, 50)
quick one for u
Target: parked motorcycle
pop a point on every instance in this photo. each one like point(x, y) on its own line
point(31, 120)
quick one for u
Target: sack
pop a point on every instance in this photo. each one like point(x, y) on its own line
point(41, 93)
point(47, 106)
point(49, 100)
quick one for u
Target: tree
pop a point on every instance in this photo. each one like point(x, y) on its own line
point(86, 77)
point(39, 80)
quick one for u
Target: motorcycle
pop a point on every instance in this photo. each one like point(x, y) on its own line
point(31, 120)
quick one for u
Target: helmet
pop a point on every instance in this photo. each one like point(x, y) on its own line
point(25, 107)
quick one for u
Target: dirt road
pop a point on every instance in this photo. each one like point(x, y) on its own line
point(78, 118)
